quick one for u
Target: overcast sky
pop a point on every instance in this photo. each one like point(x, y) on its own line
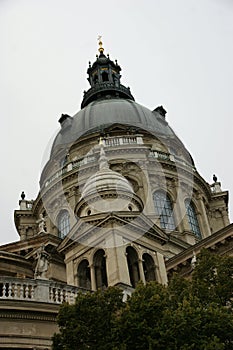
point(175, 53)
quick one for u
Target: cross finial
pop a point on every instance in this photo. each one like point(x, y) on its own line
point(101, 49)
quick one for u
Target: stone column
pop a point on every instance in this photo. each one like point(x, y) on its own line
point(225, 216)
point(181, 212)
point(116, 258)
point(149, 204)
point(71, 200)
point(99, 76)
point(22, 232)
point(162, 273)
point(205, 227)
point(141, 271)
point(69, 272)
point(110, 73)
point(93, 281)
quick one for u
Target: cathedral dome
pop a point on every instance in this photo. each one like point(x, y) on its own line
point(108, 102)
point(100, 114)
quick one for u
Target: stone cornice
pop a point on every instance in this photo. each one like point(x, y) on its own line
point(186, 171)
point(12, 258)
point(14, 309)
point(43, 238)
point(220, 195)
point(219, 237)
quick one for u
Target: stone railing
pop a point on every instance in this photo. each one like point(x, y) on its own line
point(170, 157)
point(123, 140)
point(108, 142)
point(37, 290)
point(75, 164)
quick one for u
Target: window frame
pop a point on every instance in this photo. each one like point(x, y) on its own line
point(192, 218)
point(164, 209)
point(63, 223)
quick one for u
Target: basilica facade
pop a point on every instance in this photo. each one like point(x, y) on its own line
point(120, 201)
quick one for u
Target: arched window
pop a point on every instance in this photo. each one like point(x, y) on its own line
point(148, 267)
point(84, 276)
point(132, 260)
point(104, 76)
point(192, 218)
point(99, 262)
point(63, 223)
point(163, 207)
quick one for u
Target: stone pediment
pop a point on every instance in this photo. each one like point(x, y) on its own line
point(90, 230)
point(220, 242)
point(26, 247)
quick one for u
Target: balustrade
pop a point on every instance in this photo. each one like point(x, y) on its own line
point(37, 290)
point(108, 142)
point(122, 140)
point(170, 157)
point(16, 289)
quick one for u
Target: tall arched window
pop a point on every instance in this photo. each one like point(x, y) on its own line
point(84, 275)
point(148, 267)
point(104, 76)
point(163, 207)
point(192, 218)
point(63, 223)
point(99, 262)
point(132, 260)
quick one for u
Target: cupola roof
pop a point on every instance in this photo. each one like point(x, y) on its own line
point(106, 179)
point(108, 103)
point(104, 78)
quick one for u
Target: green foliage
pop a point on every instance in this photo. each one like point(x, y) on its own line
point(186, 314)
point(89, 323)
point(212, 278)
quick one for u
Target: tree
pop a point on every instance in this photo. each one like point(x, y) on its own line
point(212, 278)
point(186, 314)
point(90, 322)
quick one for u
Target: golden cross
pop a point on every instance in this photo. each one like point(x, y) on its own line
point(101, 49)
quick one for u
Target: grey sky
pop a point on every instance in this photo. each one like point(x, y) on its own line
point(177, 53)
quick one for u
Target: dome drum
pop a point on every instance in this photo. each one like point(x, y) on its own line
point(108, 201)
point(106, 90)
